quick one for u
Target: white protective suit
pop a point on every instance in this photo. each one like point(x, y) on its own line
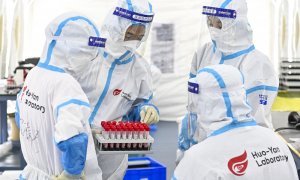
point(232, 45)
point(52, 109)
point(120, 83)
point(236, 148)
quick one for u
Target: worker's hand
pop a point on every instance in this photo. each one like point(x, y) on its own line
point(66, 176)
point(96, 131)
point(149, 115)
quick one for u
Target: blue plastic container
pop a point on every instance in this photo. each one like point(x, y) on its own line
point(155, 171)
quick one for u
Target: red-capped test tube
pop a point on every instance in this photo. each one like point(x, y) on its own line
point(135, 132)
point(112, 136)
point(104, 129)
point(146, 135)
point(141, 131)
point(121, 123)
point(106, 133)
point(123, 131)
point(147, 130)
point(114, 123)
point(118, 137)
point(129, 136)
point(135, 136)
point(103, 123)
point(129, 132)
point(141, 136)
point(123, 136)
point(118, 132)
point(108, 123)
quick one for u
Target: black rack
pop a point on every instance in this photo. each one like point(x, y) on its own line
point(289, 79)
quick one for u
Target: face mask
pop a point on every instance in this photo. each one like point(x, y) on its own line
point(215, 33)
point(114, 49)
point(224, 39)
point(79, 57)
point(234, 36)
point(131, 45)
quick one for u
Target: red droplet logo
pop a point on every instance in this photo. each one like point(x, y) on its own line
point(238, 165)
point(23, 91)
point(117, 92)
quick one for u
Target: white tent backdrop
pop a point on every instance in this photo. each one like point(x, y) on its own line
point(11, 33)
point(16, 36)
point(287, 18)
point(178, 29)
point(3, 35)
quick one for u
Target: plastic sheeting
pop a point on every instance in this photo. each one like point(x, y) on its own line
point(296, 30)
point(286, 16)
point(17, 36)
point(11, 33)
point(284, 29)
point(3, 36)
point(289, 44)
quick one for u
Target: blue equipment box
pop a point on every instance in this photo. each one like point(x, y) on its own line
point(153, 171)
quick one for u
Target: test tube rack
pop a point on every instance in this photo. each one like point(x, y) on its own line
point(123, 146)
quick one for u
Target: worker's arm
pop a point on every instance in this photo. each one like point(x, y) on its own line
point(261, 89)
point(17, 113)
point(71, 110)
point(143, 110)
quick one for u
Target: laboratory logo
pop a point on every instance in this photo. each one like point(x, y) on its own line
point(117, 92)
point(238, 165)
point(268, 156)
point(126, 96)
point(263, 99)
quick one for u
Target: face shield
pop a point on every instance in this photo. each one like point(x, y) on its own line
point(137, 29)
point(228, 25)
point(219, 18)
point(213, 21)
point(220, 22)
point(135, 32)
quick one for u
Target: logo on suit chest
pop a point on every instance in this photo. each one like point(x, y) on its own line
point(116, 92)
point(126, 96)
point(238, 165)
point(263, 99)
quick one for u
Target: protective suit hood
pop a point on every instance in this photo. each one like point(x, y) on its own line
point(117, 21)
point(236, 33)
point(219, 98)
point(72, 42)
